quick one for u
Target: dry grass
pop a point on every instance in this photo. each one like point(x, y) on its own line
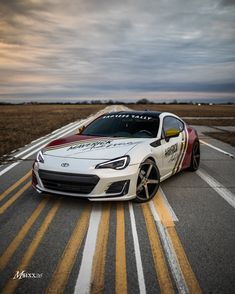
point(197, 111)
point(191, 110)
point(211, 122)
point(227, 137)
point(21, 124)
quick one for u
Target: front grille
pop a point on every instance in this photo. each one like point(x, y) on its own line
point(66, 182)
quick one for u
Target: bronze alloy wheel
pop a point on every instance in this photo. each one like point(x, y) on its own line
point(148, 181)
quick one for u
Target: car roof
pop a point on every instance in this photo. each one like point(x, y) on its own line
point(154, 114)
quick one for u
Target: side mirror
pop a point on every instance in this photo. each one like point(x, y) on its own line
point(171, 133)
point(81, 129)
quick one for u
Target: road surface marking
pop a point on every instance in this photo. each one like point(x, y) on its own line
point(185, 266)
point(121, 278)
point(170, 253)
point(48, 137)
point(12, 284)
point(6, 205)
point(37, 149)
point(218, 187)
point(157, 252)
point(218, 149)
point(61, 132)
point(139, 265)
point(168, 206)
point(15, 185)
point(98, 267)
point(163, 211)
point(6, 256)
point(40, 139)
point(83, 282)
point(68, 258)
point(172, 241)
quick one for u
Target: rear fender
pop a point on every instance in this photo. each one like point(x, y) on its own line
point(192, 137)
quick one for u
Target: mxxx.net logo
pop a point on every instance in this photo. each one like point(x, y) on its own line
point(25, 275)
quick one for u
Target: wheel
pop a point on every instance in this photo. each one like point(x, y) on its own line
point(195, 157)
point(148, 181)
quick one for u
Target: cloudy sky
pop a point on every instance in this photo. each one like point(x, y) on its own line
point(121, 49)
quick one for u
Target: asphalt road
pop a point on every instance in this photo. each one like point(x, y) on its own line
point(181, 242)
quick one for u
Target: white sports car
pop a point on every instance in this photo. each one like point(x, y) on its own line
point(119, 156)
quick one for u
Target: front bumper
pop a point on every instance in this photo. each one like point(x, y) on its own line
point(95, 184)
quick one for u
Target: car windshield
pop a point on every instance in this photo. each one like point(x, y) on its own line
point(124, 125)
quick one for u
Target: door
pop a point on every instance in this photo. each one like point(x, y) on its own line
point(171, 145)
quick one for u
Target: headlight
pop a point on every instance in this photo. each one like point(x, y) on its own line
point(40, 157)
point(117, 163)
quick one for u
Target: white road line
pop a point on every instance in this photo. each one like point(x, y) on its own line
point(71, 127)
point(173, 215)
point(216, 148)
point(52, 133)
point(170, 253)
point(37, 149)
point(84, 277)
point(218, 187)
point(139, 266)
point(44, 138)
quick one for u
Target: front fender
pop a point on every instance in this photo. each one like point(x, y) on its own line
point(143, 152)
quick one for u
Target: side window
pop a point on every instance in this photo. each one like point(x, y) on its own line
point(181, 125)
point(170, 122)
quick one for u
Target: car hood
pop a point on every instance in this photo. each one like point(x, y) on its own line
point(87, 147)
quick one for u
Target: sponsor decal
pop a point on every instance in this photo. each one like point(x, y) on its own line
point(184, 150)
point(91, 145)
point(173, 157)
point(70, 140)
point(180, 153)
point(25, 275)
point(171, 150)
point(100, 145)
point(136, 116)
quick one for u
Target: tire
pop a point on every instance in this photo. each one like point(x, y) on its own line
point(148, 181)
point(195, 156)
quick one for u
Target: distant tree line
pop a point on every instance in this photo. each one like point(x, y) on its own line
point(143, 101)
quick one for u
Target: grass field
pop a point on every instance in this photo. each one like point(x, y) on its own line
point(21, 124)
point(227, 137)
point(189, 110)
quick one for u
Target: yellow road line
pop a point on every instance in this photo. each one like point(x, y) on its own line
point(157, 252)
point(168, 223)
point(6, 205)
point(12, 284)
point(98, 267)
point(14, 186)
point(6, 256)
point(121, 278)
point(185, 266)
point(163, 211)
point(65, 265)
